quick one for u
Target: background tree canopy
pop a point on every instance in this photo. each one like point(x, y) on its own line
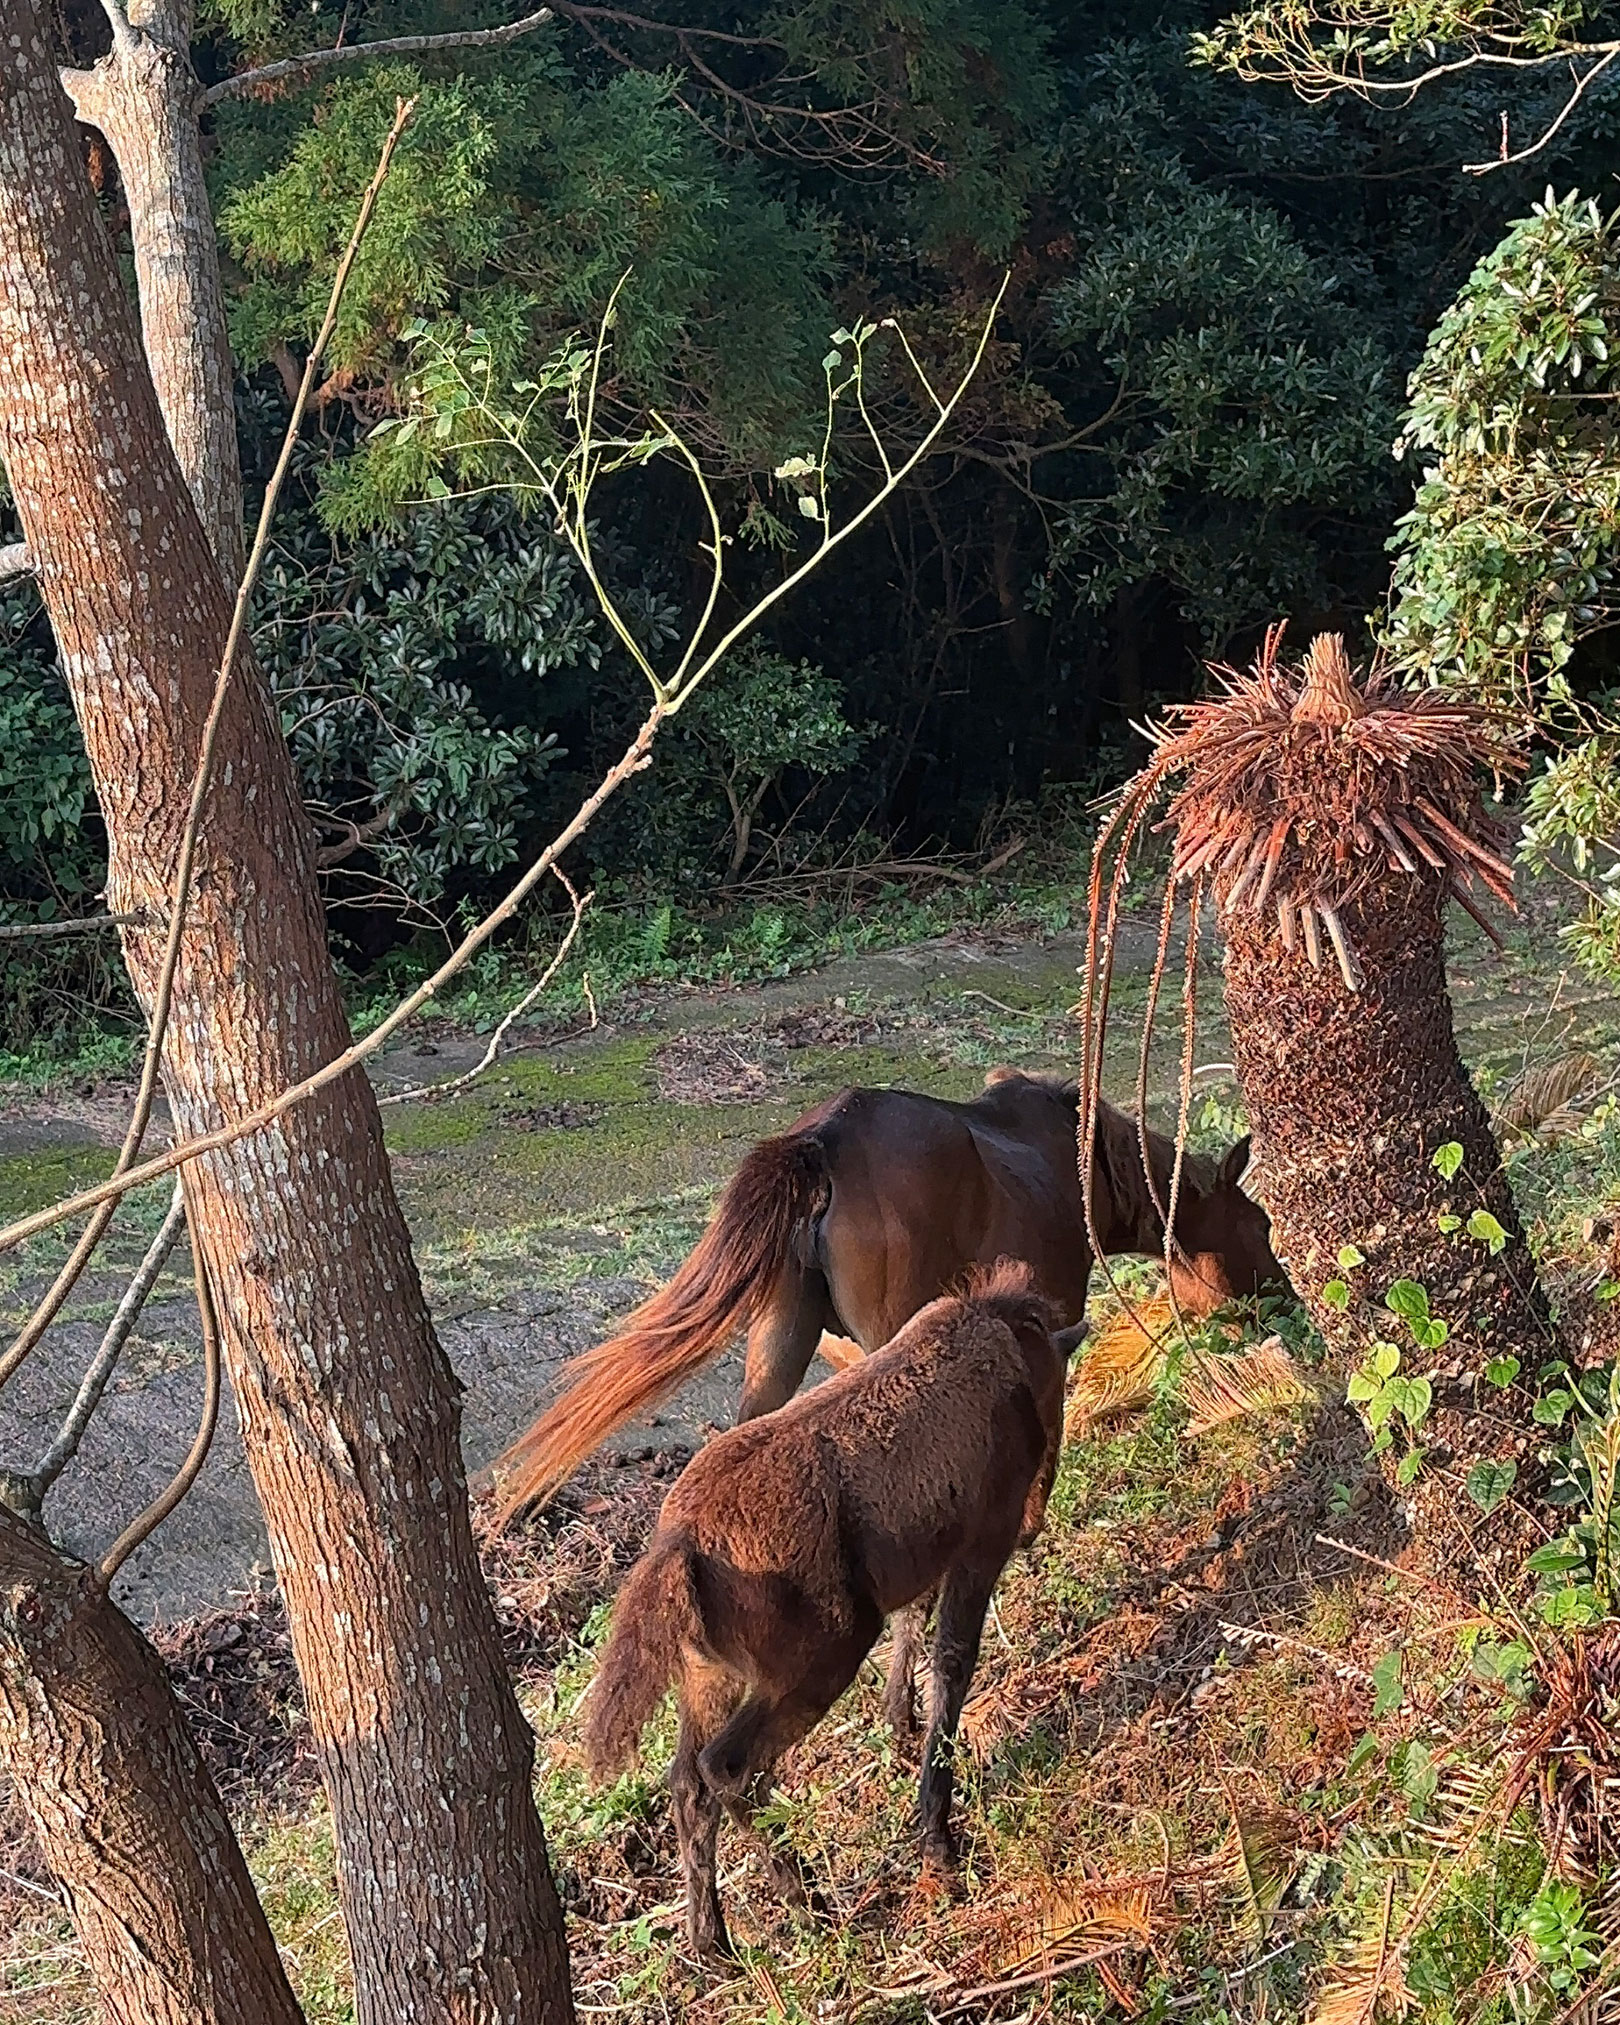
point(1185, 427)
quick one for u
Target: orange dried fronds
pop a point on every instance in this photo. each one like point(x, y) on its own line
point(1301, 789)
point(1120, 1365)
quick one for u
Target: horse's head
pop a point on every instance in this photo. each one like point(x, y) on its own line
point(1224, 1238)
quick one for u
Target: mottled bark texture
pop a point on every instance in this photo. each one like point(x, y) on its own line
point(123, 1807)
point(143, 97)
point(1350, 1095)
point(348, 1408)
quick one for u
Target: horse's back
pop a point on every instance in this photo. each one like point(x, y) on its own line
point(921, 1188)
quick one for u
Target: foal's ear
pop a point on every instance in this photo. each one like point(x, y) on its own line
point(1232, 1169)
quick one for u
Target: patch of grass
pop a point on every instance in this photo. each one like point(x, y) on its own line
point(294, 1866)
point(35, 1179)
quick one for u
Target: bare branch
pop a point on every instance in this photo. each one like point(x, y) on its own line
point(1504, 160)
point(471, 1075)
point(349, 52)
point(51, 1306)
point(66, 1445)
point(122, 34)
point(357, 835)
point(88, 924)
point(636, 755)
point(16, 560)
point(147, 1524)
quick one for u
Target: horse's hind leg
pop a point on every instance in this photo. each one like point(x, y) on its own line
point(907, 1628)
point(782, 1341)
point(706, 1702)
point(963, 1600)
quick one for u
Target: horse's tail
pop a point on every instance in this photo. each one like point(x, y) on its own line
point(655, 1615)
point(756, 1232)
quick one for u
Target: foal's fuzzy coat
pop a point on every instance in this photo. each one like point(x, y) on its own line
point(787, 1542)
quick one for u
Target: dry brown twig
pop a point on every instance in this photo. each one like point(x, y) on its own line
point(493, 1050)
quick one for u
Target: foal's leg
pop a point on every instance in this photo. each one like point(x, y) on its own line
point(899, 1702)
point(697, 1827)
point(963, 1600)
point(783, 1340)
point(740, 1758)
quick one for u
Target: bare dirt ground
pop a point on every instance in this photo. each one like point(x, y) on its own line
point(549, 1195)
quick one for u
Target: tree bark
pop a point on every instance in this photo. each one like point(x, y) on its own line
point(349, 1411)
point(123, 1806)
point(143, 97)
point(1351, 1094)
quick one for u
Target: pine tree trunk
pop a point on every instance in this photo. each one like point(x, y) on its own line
point(348, 1409)
point(142, 96)
point(123, 1807)
point(1351, 1094)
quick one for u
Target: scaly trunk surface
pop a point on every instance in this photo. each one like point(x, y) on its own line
point(1351, 1094)
point(349, 1411)
point(123, 1807)
point(142, 97)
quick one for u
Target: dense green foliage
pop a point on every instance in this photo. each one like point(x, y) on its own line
point(1184, 428)
point(1505, 575)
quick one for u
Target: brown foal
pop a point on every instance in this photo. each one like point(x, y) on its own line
point(785, 1544)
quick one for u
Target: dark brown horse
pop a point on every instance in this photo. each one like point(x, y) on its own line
point(877, 1202)
point(786, 1543)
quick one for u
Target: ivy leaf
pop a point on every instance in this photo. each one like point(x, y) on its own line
point(1502, 1371)
point(1551, 1407)
point(1484, 1226)
point(1336, 1294)
point(1361, 1388)
point(1408, 1300)
point(1448, 1160)
point(1385, 1359)
point(1350, 1258)
point(1409, 1465)
point(1447, 1222)
point(1490, 1482)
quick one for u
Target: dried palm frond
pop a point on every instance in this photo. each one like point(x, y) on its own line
point(1370, 1983)
point(1301, 790)
point(1259, 1380)
point(839, 1351)
point(1569, 1756)
point(1537, 1098)
point(1121, 1365)
point(1261, 1852)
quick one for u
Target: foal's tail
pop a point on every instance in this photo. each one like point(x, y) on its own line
point(656, 1613)
point(758, 1229)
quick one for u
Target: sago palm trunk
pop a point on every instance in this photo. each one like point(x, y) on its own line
point(1334, 822)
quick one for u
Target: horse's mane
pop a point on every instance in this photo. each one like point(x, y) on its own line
point(1120, 1170)
point(1007, 1288)
point(1119, 1154)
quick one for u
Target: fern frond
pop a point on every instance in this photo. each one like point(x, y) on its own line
point(1370, 1983)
